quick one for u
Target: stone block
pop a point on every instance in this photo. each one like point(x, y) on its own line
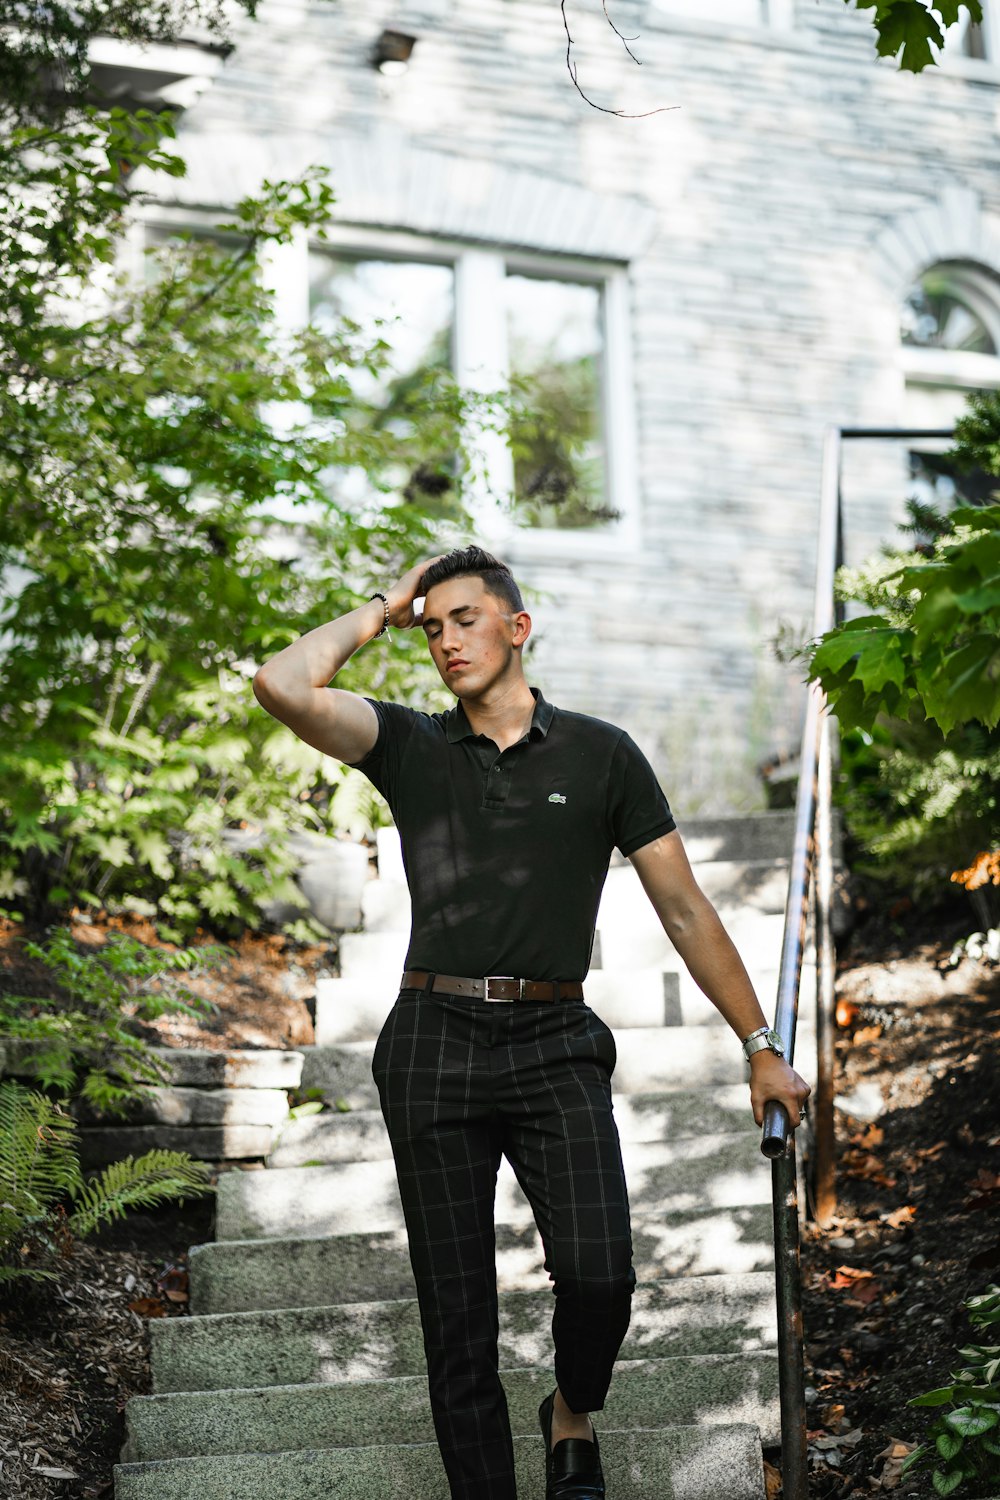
point(674, 1463)
point(645, 1393)
point(379, 1340)
point(99, 1146)
point(193, 1067)
point(690, 1173)
point(243, 1275)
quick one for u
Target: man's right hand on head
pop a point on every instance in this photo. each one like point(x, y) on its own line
point(402, 594)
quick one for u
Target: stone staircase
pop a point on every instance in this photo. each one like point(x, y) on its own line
point(301, 1374)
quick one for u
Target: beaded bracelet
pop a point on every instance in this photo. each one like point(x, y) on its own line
point(385, 623)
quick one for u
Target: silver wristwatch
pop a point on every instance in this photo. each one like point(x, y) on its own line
point(763, 1037)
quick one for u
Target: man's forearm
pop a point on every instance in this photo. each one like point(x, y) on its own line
point(713, 962)
point(315, 658)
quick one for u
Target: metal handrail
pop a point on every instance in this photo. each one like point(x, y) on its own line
point(811, 868)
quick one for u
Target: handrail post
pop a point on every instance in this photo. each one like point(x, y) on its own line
point(792, 1394)
point(824, 1175)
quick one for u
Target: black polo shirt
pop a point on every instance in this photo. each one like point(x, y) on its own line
point(506, 852)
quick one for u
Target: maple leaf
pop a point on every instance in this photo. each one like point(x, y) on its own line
point(148, 1307)
point(867, 1167)
point(950, 10)
point(907, 31)
point(865, 1293)
point(847, 1276)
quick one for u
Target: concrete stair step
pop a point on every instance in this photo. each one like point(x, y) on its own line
point(651, 1059)
point(360, 1134)
point(733, 886)
point(631, 938)
point(216, 1143)
point(246, 1275)
point(718, 1171)
point(379, 1340)
point(353, 1010)
point(741, 836)
point(205, 1106)
point(672, 1463)
point(695, 1390)
point(736, 888)
point(247, 1069)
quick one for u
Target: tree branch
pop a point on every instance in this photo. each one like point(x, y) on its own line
point(571, 69)
point(623, 39)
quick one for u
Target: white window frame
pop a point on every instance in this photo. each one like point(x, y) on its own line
point(777, 18)
point(952, 60)
point(957, 371)
point(960, 368)
point(661, 15)
point(480, 361)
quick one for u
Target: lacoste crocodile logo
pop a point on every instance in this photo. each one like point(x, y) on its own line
point(556, 797)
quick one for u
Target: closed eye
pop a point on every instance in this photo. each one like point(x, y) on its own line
point(432, 635)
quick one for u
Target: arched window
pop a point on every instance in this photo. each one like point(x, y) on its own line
point(949, 347)
point(951, 307)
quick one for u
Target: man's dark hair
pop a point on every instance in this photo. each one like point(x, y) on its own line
point(497, 577)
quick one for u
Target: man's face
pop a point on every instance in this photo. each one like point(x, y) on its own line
point(471, 634)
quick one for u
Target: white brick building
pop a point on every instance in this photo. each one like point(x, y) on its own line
point(731, 274)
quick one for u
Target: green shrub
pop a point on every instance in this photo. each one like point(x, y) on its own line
point(918, 804)
point(46, 1202)
point(915, 685)
point(81, 1041)
point(962, 1444)
point(933, 651)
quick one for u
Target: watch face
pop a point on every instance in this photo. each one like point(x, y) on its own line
point(777, 1043)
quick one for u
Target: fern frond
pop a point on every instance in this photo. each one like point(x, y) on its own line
point(137, 1182)
point(38, 1152)
point(20, 1273)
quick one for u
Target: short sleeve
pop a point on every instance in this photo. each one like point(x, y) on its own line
point(382, 763)
point(638, 810)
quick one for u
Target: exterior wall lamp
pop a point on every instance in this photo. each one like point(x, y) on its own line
point(392, 53)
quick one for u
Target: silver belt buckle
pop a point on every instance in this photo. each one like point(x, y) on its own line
point(486, 982)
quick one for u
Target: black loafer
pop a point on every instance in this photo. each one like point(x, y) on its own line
point(573, 1467)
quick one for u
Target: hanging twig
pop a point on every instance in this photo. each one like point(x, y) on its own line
point(623, 39)
point(571, 69)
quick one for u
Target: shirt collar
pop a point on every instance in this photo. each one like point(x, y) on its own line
point(457, 726)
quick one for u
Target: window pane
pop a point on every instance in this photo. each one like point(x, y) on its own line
point(935, 481)
point(555, 332)
point(936, 317)
point(973, 35)
point(731, 12)
point(410, 306)
point(412, 300)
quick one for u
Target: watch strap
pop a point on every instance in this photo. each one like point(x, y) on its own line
point(765, 1037)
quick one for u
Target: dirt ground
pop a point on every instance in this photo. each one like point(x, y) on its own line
point(917, 1227)
point(918, 1192)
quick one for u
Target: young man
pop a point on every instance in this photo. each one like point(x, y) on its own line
point(508, 809)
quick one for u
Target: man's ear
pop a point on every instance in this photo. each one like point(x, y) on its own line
point(522, 627)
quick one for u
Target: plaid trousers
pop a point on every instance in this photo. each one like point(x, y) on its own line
point(460, 1082)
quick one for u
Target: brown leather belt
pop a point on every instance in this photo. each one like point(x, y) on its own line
point(494, 986)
